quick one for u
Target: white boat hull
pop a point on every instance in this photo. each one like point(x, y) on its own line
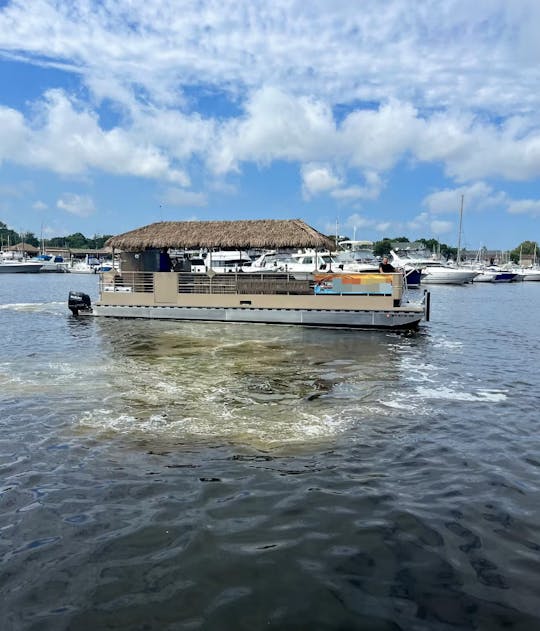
point(447, 277)
point(530, 276)
point(7, 267)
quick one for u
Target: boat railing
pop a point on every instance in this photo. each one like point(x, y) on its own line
point(243, 283)
point(269, 283)
point(136, 282)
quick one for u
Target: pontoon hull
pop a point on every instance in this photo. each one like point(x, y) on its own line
point(404, 318)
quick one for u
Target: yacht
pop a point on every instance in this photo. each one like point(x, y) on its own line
point(10, 263)
point(435, 271)
point(51, 262)
point(492, 274)
point(220, 262)
point(21, 267)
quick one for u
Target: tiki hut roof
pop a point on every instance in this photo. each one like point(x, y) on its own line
point(22, 247)
point(256, 233)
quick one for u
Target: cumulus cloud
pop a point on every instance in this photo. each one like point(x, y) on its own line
point(318, 178)
point(529, 207)
point(439, 227)
point(80, 205)
point(65, 137)
point(477, 195)
point(452, 84)
point(436, 53)
point(181, 197)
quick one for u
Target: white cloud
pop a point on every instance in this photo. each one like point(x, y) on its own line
point(383, 226)
point(529, 207)
point(318, 178)
point(357, 221)
point(451, 83)
point(80, 205)
point(180, 197)
point(39, 205)
point(65, 137)
point(439, 53)
point(275, 126)
point(439, 227)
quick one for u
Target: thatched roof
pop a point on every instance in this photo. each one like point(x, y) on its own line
point(22, 247)
point(256, 233)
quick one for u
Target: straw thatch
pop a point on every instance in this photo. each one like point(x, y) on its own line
point(22, 247)
point(257, 233)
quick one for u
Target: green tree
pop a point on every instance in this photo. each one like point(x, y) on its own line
point(433, 245)
point(8, 236)
point(383, 247)
point(57, 242)
point(30, 237)
point(527, 248)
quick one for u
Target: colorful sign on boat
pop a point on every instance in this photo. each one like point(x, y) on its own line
point(358, 284)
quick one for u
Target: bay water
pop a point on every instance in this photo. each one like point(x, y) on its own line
point(169, 475)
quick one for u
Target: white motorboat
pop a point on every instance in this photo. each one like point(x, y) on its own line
point(435, 271)
point(89, 265)
point(220, 262)
point(530, 273)
point(311, 261)
point(524, 273)
point(51, 262)
point(493, 274)
point(20, 267)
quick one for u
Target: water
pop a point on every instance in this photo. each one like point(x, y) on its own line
point(170, 476)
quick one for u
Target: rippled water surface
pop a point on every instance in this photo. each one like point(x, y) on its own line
point(167, 476)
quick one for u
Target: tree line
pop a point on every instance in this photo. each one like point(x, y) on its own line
point(71, 241)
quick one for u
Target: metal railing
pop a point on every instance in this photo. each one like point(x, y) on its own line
point(231, 283)
point(140, 282)
point(243, 283)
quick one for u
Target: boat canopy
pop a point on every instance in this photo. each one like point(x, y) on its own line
point(255, 233)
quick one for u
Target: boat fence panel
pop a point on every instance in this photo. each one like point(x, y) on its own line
point(136, 282)
point(243, 283)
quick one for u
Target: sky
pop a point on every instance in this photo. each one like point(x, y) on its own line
point(367, 117)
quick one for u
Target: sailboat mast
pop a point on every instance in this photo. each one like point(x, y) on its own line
point(459, 232)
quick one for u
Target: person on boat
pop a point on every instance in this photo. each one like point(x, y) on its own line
point(385, 267)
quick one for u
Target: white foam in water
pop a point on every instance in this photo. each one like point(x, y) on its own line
point(33, 307)
point(299, 427)
point(449, 343)
point(447, 394)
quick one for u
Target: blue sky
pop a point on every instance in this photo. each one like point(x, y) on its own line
point(376, 115)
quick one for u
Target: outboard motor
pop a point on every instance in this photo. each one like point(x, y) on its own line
point(78, 301)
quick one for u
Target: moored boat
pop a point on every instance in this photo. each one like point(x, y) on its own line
point(51, 262)
point(494, 275)
point(435, 271)
point(19, 267)
point(139, 290)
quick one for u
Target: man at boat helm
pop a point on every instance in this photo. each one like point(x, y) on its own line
point(385, 267)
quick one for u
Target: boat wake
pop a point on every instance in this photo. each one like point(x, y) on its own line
point(448, 394)
point(35, 307)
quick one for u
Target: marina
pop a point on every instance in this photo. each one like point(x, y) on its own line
point(162, 473)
